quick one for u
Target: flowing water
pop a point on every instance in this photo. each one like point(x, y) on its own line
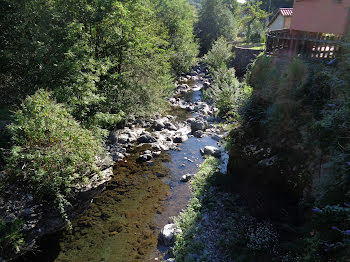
point(123, 223)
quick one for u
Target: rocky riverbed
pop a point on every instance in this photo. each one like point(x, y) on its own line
point(154, 160)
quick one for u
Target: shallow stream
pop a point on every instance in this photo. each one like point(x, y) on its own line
point(123, 223)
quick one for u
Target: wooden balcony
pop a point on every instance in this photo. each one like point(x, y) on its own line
point(305, 44)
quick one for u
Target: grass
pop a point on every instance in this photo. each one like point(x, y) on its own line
point(254, 46)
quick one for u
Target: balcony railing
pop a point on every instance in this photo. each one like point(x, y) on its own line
point(306, 44)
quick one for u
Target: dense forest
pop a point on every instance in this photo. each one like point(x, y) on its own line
point(75, 74)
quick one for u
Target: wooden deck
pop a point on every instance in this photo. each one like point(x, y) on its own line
point(305, 44)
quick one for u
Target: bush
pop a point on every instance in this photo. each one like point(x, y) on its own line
point(219, 55)
point(51, 152)
point(11, 238)
point(227, 92)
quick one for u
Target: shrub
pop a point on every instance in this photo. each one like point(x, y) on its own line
point(227, 93)
point(51, 152)
point(11, 238)
point(219, 55)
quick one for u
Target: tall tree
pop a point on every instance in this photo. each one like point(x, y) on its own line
point(251, 12)
point(178, 16)
point(216, 18)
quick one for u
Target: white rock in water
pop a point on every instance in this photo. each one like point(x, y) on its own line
point(186, 178)
point(168, 234)
point(211, 151)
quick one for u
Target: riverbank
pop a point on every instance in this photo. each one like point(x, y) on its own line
point(147, 187)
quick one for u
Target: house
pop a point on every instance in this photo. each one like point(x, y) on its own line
point(317, 30)
point(281, 20)
point(322, 16)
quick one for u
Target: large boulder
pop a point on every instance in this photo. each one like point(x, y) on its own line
point(198, 125)
point(211, 151)
point(168, 234)
point(146, 139)
point(158, 125)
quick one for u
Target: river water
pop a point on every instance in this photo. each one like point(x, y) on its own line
point(122, 224)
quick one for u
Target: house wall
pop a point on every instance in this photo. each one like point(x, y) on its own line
point(278, 24)
point(326, 16)
point(287, 22)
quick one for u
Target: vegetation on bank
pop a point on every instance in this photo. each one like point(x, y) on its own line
point(215, 227)
point(301, 110)
point(226, 92)
point(99, 63)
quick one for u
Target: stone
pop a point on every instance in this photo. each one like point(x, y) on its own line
point(170, 126)
point(146, 139)
point(144, 158)
point(156, 154)
point(170, 260)
point(117, 156)
point(198, 133)
point(183, 87)
point(160, 174)
point(186, 178)
point(158, 125)
point(180, 139)
point(268, 162)
point(206, 84)
point(172, 100)
point(190, 120)
point(211, 151)
point(168, 234)
point(198, 125)
point(123, 139)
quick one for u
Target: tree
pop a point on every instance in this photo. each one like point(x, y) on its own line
point(216, 18)
point(251, 12)
point(178, 17)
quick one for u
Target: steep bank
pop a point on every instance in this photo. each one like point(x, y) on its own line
point(286, 194)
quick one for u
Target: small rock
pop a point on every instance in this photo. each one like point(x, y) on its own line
point(170, 260)
point(168, 234)
point(144, 158)
point(268, 162)
point(186, 178)
point(117, 156)
point(155, 154)
point(180, 139)
point(146, 139)
point(160, 174)
point(170, 126)
point(198, 133)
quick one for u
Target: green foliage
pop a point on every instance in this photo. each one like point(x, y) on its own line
point(308, 105)
point(51, 152)
point(251, 12)
point(216, 19)
point(226, 91)
point(11, 239)
point(219, 55)
point(178, 17)
point(99, 58)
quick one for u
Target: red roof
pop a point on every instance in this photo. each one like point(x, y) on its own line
point(286, 11)
point(283, 12)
